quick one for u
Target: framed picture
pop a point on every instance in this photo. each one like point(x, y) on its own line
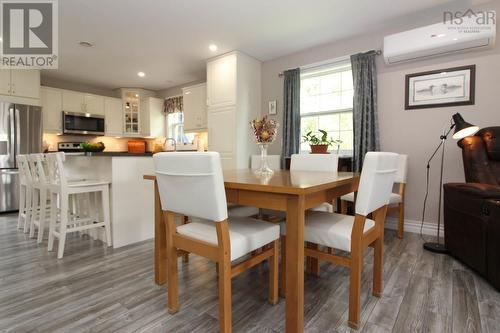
point(272, 107)
point(440, 88)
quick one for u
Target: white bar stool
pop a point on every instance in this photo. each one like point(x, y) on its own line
point(61, 190)
point(25, 193)
point(40, 212)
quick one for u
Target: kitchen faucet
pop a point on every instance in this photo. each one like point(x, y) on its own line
point(175, 143)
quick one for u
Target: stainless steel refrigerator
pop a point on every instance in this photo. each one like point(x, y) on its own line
point(20, 133)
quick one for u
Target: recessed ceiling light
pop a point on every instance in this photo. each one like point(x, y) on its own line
point(212, 47)
point(141, 74)
point(85, 43)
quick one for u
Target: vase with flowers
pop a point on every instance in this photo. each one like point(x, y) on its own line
point(264, 130)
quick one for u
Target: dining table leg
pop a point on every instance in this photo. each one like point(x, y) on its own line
point(294, 297)
point(160, 241)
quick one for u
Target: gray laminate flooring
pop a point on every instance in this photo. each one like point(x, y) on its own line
point(97, 289)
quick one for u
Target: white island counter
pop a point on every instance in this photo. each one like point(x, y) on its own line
point(132, 197)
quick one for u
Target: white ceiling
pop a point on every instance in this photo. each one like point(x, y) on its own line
point(168, 39)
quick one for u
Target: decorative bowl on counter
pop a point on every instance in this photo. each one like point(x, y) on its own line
point(92, 147)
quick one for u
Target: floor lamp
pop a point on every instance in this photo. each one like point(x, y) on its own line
point(462, 129)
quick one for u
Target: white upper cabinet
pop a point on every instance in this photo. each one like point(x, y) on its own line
point(5, 81)
point(195, 109)
point(25, 83)
point(94, 104)
point(21, 83)
point(113, 116)
point(51, 100)
point(74, 101)
point(221, 81)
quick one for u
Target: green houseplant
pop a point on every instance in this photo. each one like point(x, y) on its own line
point(319, 143)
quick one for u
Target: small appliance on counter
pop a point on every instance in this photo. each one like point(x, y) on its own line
point(136, 146)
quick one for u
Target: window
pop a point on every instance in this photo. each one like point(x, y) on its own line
point(175, 128)
point(326, 94)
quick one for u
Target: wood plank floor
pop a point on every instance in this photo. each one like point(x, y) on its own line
point(96, 289)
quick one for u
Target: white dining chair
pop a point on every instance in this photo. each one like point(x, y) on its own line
point(61, 190)
point(25, 193)
point(274, 162)
point(191, 184)
point(396, 201)
point(353, 234)
point(319, 163)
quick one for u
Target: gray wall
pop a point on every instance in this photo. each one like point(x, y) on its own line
point(415, 132)
point(71, 85)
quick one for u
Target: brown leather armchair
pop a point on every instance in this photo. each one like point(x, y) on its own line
point(472, 209)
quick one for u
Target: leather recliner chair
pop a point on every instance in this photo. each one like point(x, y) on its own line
point(472, 209)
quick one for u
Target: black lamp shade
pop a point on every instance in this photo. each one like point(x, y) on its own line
point(463, 128)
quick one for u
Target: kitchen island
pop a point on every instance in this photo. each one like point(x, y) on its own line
point(131, 198)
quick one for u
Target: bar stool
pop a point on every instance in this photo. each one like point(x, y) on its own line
point(40, 205)
point(61, 190)
point(25, 193)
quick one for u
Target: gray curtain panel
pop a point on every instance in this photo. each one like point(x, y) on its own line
point(365, 119)
point(291, 114)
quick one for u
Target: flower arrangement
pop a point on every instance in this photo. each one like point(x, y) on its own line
point(264, 129)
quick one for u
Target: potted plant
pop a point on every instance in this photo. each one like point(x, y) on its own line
point(319, 143)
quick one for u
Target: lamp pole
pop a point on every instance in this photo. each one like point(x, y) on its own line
point(438, 247)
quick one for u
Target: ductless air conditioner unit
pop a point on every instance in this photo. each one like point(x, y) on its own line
point(465, 34)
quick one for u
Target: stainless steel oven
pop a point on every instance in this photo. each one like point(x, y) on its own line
point(83, 123)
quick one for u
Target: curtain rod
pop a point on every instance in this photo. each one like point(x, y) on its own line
point(377, 52)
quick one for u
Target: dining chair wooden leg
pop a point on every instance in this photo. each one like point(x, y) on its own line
point(283, 266)
point(185, 257)
point(401, 224)
point(173, 283)
point(224, 276)
point(274, 273)
point(343, 207)
point(378, 266)
point(355, 287)
point(315, 267)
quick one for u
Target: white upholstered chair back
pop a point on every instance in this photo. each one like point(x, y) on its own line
point(377, 179)
point(402, 172)
point(314, 162)
point(191, 183)
point(274, 162)
point(55, 169)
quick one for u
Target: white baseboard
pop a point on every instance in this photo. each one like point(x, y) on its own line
point(414, 226)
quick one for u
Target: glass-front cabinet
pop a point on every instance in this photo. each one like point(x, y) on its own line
point(131, 110)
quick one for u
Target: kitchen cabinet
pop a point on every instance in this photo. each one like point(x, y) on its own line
point(113, 116)
point(221, 80)
point(153, 118)
point(233, 99)
point(23, 83)
point(51, 101)
point(195, 107)
point(74, 101)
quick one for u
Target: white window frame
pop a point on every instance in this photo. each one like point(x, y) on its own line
point(321, 70)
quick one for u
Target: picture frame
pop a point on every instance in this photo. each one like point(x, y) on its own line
point(272, 107)
point(440, 88)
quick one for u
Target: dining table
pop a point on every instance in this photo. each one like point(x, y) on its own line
point(292, 192)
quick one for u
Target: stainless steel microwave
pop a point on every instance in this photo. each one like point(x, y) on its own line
point(83, 123)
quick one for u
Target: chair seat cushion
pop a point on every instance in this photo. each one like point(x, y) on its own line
point(324, 207)
point(330, 229)
point(245, 234)
point(394, 199)
point(241, 211)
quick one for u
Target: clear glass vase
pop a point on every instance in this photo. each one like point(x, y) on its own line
point(264, 168)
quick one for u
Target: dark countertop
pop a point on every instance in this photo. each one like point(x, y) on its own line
point(111, 154)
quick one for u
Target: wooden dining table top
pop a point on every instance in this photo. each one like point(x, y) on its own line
point(283, 181)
